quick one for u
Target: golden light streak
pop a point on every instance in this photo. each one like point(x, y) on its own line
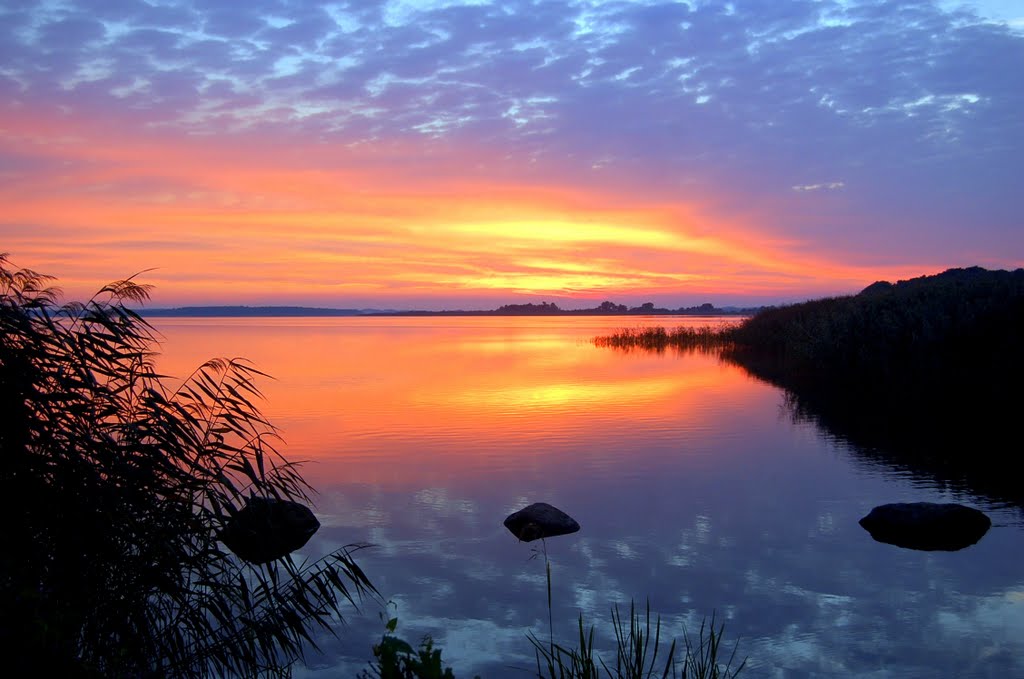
point(569, 232)
point(357, 391)
point(245, 219)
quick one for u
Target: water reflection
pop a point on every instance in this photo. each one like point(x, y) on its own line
point(693, 484)
point(952, 452)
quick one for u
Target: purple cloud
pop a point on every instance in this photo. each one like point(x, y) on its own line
point(912, 109)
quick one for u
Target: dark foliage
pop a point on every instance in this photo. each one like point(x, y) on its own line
point(932, 330)
point(113, 490)
point(395, 658)
point(925, 375)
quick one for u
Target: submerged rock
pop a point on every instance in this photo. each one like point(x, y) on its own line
point(926, 525)
point(268, 528)
point(540, 520)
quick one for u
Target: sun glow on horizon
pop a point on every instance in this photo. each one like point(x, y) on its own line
point(240, 220)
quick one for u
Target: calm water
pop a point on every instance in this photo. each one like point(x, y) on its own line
point(694, 489)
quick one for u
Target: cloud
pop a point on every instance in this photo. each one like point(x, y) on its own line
point(824, 186)
point(731, 106)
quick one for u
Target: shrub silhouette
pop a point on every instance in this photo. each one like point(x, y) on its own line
point(113, 490)
point(922, 374)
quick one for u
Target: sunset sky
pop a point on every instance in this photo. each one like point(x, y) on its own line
point(434, 154)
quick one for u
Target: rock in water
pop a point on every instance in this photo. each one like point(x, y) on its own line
point(540, 520)
point(926, 525)
point(268, 529)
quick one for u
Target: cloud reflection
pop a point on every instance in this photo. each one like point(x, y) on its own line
point(720, 503)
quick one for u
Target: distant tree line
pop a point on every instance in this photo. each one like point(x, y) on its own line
point(527, 309)
point(611, 308)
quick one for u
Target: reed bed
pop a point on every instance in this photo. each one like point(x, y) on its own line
point(638, 645)
point(684, 339)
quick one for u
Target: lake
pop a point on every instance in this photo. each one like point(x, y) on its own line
point(695, 488)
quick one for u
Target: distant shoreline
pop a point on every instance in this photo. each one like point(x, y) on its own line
point(510, 310)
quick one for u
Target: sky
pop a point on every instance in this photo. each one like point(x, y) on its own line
point(436, 154)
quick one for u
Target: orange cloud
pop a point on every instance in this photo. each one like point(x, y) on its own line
point(244, 219)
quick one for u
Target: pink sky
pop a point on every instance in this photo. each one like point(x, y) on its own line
point(476, 157)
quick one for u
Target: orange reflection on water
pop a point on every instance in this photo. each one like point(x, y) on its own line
point(401, 400)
